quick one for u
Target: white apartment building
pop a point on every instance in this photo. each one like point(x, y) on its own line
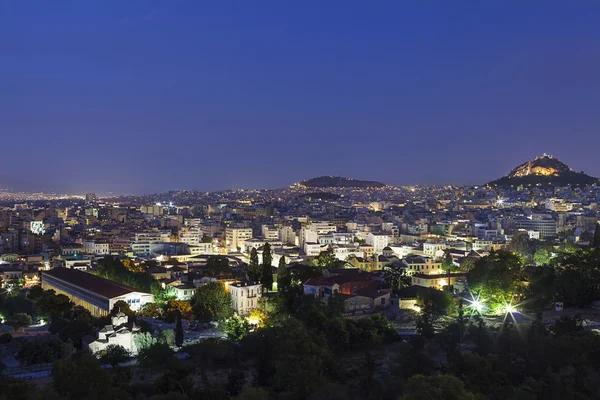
point(191, 236)
point(154, 235)
point(431, 248)
point(269, 233)
point(343, 251)
point(96, 247)
point(288, 236)
point(312, 249)
point(308, 236)
point(245, 296)
point(378, 240)
point(236, 237)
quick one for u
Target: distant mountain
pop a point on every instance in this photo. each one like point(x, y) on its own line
point(544, 170)
point(338, 181)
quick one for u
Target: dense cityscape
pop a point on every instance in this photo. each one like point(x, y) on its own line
point(310, 200)
point(331, 284)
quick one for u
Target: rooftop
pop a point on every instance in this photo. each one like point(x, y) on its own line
point(103, 287)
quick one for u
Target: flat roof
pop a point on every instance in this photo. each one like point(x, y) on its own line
point(103, 287)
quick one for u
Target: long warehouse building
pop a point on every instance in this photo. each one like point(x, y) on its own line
point(97, 295)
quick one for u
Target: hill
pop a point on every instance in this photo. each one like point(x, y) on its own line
point(338, 181)
point(544, 170)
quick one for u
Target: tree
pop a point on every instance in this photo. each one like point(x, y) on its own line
point(211, 302)
point(439, 387)
point(424, 321)
point(122, 306)
point(498, 278)
point(19, 321)
point(327, 259)
point(282, 275)
point(167, 336)
point(396, 277)
point(43, 351)
point(82, 378)
point(143, 341)
point(448, 263)
point(236, 379)
point(35, 293)
point(267, 277)
point(151, 310)
point(542, 256)
point(596, 240)
point(218, 266)
point(178, 307)
point(254, 270)
point(236, 327)
point(267, 256)
point(114, 355)
point(154, 356)
point(178, 331)
point(522, 245)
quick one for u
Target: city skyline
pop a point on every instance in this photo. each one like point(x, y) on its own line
point(149, 96)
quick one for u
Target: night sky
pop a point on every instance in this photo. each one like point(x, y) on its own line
point(144, 96)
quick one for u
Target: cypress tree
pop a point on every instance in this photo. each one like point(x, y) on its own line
point(282, 275)
point(254, 270)
point(596, 241)
point(179, 331)
point(267, 269)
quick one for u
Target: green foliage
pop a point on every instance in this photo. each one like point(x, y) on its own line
point(162, 295)
point(51, 305)
point(114, 354)
point(113, 269)
point(439, 387)
point(596, 239)
point(82, 378)
point(211, 302)
point(522, 245)
point(5, 338)
point(167, 337)
point(154, 356)
point(498, 278)
point(396, 277)
point(578, 278)
point(35, 293)
point(266, 276)
point(267, 255)
point(236, 327)
point(42, 351)
point(144, 340)
point(542, 257)
point(283, 276)
point(236, 379)
point(437, 302)
point(122, 306)
point(254, 270)
point(19, 321)
point(178, 331)
point(218, 266)
point(16, 304)
point(327, 259)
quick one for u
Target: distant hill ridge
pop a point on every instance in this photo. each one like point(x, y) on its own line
point(544, 170)
point(339, 181)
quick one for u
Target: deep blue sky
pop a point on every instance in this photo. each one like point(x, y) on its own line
point(143, 96)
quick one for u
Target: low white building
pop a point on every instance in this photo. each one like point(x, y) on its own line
point(121, 333)
point(312, 249)
point(378, 240)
